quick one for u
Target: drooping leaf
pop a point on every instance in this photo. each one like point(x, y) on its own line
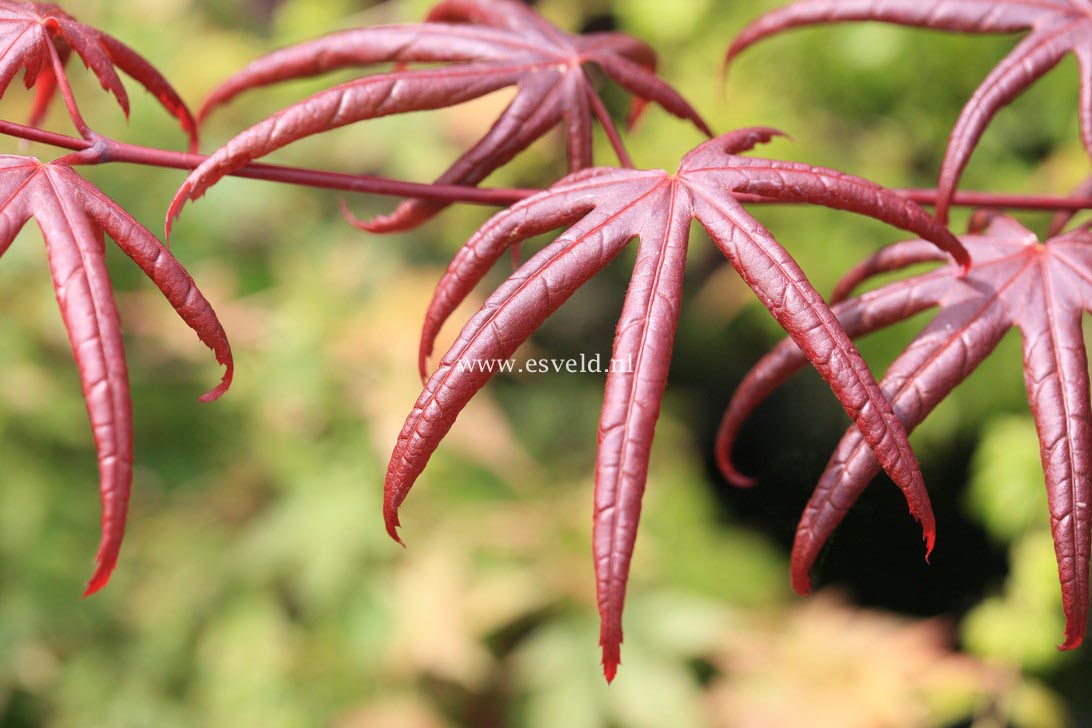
point(31, 32)
point(73, 216)
point(1042, 289)
point(604, 210)
point(485, 45)
point(1057, 27)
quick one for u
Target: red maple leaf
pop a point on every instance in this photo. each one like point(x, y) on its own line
point(73, 216)
point(604, 210)
point(486, 45)
point(1057, 27)
point(1015, 281)
point(40, 37)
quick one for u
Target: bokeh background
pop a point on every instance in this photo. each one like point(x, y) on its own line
point(257, 586)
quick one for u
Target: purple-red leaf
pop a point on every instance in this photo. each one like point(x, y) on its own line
point(488, 45)
point(1040, 288)
point(28, 32)
point(73, 216)
point(604, 210)
point(1056, 27)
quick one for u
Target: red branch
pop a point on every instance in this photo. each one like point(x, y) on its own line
point(102, 150)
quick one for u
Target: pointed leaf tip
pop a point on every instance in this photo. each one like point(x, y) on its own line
point(612, 658)
point(390, 517)
point(101, 577)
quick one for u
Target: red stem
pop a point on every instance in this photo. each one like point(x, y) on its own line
point(1001, 201)
point(66, 90)
point(601, 113)
point(113, 151)
point(108, 150)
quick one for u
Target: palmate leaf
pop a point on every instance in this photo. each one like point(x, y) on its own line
point(486, 45)
point(31, 32)
point(1040, 288)
point(73, 216)
point(604, 210)
point(1057, 27)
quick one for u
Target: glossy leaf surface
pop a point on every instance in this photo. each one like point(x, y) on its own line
point(74, 216)
point(603, 211)
point(483, 46)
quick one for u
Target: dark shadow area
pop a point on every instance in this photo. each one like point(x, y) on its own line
point(877, 553)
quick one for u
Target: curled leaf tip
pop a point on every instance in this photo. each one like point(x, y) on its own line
point(732, 475)
point(801, 581)
point(766, 134)
point(223, 386)
point(378, 224)
point(1073, 640)
point(740, 480)
point(175, 210)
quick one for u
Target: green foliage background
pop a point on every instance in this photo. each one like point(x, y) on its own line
point(257, 586)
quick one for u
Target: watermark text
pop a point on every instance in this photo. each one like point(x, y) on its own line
point(582, 364)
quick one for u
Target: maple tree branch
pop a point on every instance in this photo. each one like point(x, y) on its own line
point(102, 151)
point(34, 134)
